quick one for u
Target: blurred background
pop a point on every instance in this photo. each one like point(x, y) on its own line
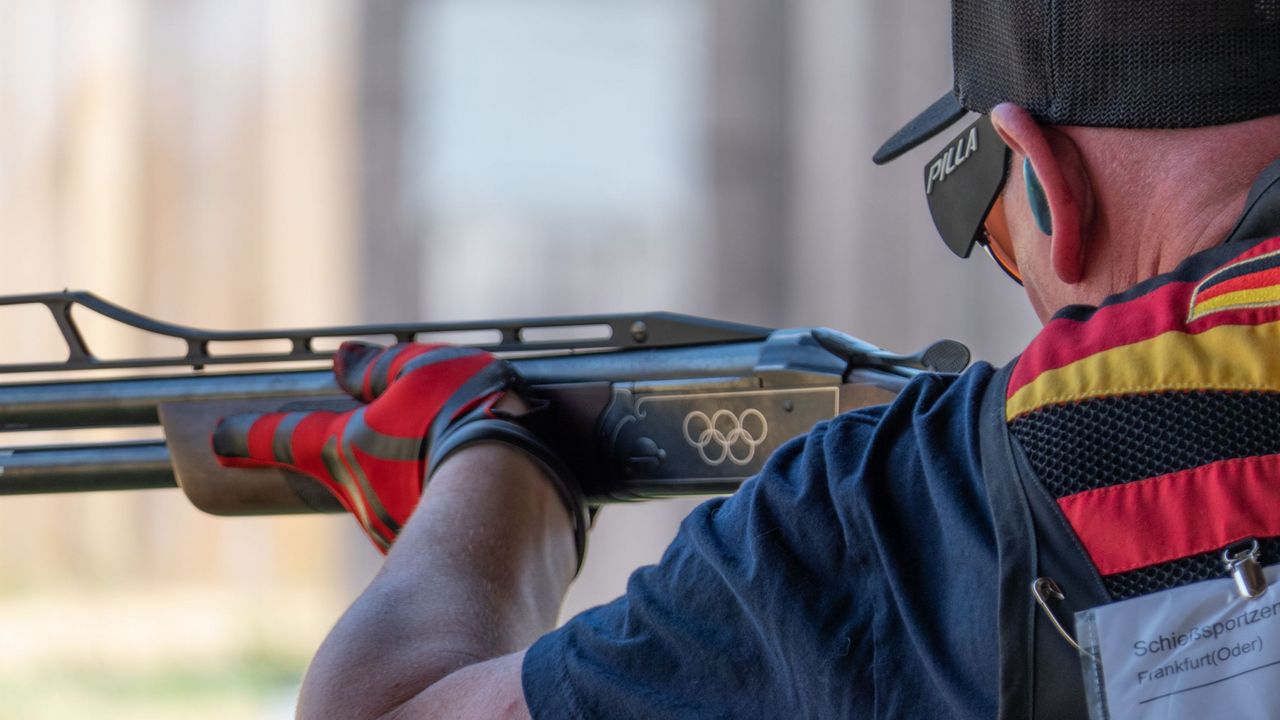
point(250, 164)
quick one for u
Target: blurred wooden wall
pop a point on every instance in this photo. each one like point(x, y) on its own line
point(193, 160)
point(237, 163)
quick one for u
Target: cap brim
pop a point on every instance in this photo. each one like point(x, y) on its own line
point(936, 118)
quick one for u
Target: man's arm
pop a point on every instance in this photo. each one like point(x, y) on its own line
point(477, 574)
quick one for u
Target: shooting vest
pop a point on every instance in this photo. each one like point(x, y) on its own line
point(1130, 444)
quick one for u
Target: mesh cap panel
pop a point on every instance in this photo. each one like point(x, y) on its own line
point(1109, 63)
point(1134, 63)
point(1000, 51)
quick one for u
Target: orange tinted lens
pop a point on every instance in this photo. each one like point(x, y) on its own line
point(998, 244)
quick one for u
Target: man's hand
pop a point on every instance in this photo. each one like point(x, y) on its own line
point(424, 403)
point(483, 553)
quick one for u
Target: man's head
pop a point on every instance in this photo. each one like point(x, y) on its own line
point(1134, 128)
point(1123, 205)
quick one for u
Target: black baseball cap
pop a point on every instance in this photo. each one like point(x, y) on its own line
point(1108, 63)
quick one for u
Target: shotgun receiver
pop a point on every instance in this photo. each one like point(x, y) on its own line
point(644, 406)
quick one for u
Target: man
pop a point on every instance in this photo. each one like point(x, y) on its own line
point(1126, 158)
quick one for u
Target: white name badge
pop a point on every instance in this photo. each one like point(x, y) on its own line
point(1190, 653)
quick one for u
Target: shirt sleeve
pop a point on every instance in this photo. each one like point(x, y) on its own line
point(747, 596)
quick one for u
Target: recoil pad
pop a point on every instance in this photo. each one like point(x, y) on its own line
point(510, 431)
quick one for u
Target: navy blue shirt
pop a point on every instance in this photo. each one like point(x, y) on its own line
point(855, 577)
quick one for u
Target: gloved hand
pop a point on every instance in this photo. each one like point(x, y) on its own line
point(423, 403)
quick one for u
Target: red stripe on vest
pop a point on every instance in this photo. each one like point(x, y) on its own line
point(1148, 522)
point(1263, 278)
point(1064, 341)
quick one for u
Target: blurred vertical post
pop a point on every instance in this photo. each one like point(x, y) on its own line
point(749, 138)
point(310, 116)
point(388, 241)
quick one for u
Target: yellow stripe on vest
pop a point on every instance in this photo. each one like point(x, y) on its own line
point(1250, 298)
point(1227, 357)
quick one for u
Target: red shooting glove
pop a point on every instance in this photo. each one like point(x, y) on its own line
point(423, 403)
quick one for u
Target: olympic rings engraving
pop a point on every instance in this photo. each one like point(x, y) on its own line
point(717, 436)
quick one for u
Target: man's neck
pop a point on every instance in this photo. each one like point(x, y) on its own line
point(1162, 201)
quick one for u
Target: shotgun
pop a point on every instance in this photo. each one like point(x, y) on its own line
point(643, 405)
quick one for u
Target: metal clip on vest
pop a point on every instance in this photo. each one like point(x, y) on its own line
point(1043, 587)
point(1245, 568)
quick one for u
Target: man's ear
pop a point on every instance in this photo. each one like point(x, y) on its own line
point(1058, 167)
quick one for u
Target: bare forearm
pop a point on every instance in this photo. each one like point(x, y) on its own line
point(478, 572)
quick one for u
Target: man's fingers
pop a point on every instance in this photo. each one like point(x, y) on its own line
point(366, 371)
point(351, 366)
point(231, 438)
point(251, 439)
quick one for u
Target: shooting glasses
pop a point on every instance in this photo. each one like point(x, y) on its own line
point(962, 185)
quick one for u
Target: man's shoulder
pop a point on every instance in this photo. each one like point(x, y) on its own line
point(922, 443)
point(931, 404)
